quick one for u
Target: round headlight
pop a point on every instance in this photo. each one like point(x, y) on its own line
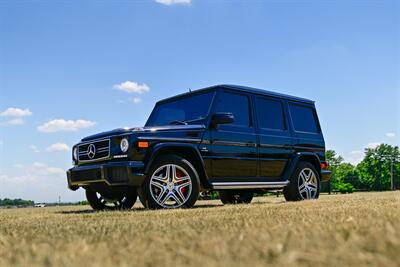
point(124, 145)
point(75, 153)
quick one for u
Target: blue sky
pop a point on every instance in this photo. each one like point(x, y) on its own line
point(72, 68)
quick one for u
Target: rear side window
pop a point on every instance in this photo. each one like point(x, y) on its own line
point(270, 114)
point(238, 105)
point(304, 119)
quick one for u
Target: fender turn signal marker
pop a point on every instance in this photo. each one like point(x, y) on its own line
point(143, 144)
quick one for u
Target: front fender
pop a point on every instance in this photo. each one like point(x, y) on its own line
point(173, 148)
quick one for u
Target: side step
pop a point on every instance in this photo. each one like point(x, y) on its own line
point(248, 185)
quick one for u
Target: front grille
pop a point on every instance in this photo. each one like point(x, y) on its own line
point(94, 150)
point(86, 175)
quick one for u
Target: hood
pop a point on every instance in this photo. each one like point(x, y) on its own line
point(120, 131)
point(107, 133)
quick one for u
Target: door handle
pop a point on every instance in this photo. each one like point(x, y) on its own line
point(251, 144)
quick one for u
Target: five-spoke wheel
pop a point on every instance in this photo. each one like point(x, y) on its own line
point(171, 183)
point(308, 184)
point(304, 183)
point(170, 186)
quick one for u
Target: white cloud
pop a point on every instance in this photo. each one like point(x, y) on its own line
point(132, 87)
point(391, 135)
point(31, 173)
point(16, 112)
point(17, 121)
point(173, 2)
point(136, 100)
point(355, 157)
point(34, 148)
point(59, 125)
point(373, 145)
point(37, 181)
point(57, 147)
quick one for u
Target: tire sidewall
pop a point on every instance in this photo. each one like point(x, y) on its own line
point(146, 196)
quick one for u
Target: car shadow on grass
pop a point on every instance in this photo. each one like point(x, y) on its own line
point(142, 209)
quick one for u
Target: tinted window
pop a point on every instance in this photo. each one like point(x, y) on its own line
point(270, 114)
point(194, 107)
point(236, 104)
point(304, 119)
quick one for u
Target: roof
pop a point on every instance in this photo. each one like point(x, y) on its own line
point(246, 89)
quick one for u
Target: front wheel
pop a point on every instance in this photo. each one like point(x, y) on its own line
point(304, 183)
point(111, 201)
point(172, 182)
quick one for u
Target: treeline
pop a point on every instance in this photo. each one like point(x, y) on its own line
point(373, 173)
point(15, 202)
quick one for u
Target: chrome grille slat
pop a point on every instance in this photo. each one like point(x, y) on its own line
point(102, 150)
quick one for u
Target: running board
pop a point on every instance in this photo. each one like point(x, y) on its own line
point(248, 185)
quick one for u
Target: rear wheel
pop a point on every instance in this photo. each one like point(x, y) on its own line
point(235, 196)
point(304, 183)
point(111, 201)
point(172, 182)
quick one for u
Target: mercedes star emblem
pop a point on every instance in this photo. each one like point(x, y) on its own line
point(91, 151)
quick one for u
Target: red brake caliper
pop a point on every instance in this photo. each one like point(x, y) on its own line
point(179, 174)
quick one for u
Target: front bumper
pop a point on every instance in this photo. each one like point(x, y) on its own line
point(325, 175)
point(127, 173)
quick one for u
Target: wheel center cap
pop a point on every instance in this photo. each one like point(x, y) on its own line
point(170, 186)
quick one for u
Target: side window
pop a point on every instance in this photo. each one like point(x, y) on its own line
point(304, 119)
point(238, 105)
point(270, 114)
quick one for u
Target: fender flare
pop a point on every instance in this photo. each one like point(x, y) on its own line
point(158, 148)
point(298, 156)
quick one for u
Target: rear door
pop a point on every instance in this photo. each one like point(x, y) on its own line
point(234, 146)
point(275, 140)
point(306, 128)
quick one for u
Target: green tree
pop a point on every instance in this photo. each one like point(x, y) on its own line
point(333, 159)
point(346, 179)
point(15, 202)
point(375, 169)
point(334, 162)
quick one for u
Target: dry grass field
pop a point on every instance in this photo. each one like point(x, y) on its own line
point(340, 230)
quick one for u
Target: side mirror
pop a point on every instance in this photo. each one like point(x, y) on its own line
point(222, 118)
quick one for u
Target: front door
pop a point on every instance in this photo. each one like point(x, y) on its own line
point(234, 146)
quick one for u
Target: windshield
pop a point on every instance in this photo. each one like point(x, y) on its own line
point(181, 111)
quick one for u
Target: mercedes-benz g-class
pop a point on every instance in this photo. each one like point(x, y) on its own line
point(233, 139)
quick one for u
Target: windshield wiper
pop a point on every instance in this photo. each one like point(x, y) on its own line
point(177, 122)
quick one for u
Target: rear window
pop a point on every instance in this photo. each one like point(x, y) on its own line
point(304, 119)
point(270, 114)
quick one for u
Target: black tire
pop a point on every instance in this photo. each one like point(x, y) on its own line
point(169, 186)
point(295, 191)
point(235, 196)
point(116, 202)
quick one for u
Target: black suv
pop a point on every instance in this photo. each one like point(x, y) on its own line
point(234, 139)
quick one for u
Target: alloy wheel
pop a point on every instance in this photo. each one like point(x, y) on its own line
point(308, 184)
point(170, 186)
